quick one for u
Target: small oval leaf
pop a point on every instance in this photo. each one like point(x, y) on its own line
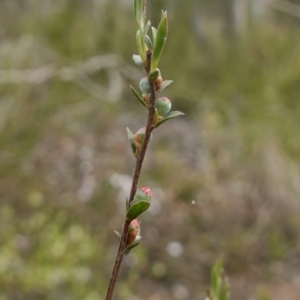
point(130, 138)
point(136, 94)
point(169, 116)
point(164, 84)
point(136, 209)
point(130, 247)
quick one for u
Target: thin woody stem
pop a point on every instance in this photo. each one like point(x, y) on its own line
point(135, 181)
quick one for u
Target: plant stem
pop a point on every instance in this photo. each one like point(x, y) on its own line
point(135, 180)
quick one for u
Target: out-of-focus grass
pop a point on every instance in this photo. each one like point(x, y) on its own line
point(64, 156)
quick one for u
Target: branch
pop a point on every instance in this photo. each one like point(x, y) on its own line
point(135, 180)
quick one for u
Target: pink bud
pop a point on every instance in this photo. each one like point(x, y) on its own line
point(133, 231)
point(138, 140)
point(147, 191)
point(163, 105)
point(158, 83)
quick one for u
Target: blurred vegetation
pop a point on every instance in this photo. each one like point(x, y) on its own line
point(219, 287)
point(226, 177)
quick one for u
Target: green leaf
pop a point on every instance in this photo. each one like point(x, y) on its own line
point(141, 46)
point(154, 32)
point(130, 138)
point(140, 12)
point(140, 195)
point(138, 97)
point(136, 209)
point(130, 247)
point(214, 281)
point(130, 134)
point(216, 275)
point(153, 75)
point(169, 116)
point(148, 42)
point(219, 287)
point(164, 84)
point(146, 28)
point(118, 234)
point(224, 291)
point(160, 41)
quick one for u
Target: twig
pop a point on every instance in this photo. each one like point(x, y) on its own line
point(135, 180)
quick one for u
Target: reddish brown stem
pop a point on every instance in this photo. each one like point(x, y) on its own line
point(135, 181)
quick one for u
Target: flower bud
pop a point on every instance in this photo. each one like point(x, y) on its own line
point(137, 60)
point(158, 83)
point(163, 105)
point(142, 194)
point(138, 140)
point(133, 232)
point(145, 86)
point(140, 203)
point(146, 192)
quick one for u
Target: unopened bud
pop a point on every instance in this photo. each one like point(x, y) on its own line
point(137, 60)
point(158, 83)
point(138, 140)
point(145, 86)
point(146, 192)
point(140, 203)
point(133, 232)
point(142, 194)
point(163, 105)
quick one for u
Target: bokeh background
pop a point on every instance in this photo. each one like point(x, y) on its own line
point(226, 177)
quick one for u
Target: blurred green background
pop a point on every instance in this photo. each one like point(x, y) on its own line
point(226, 177)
